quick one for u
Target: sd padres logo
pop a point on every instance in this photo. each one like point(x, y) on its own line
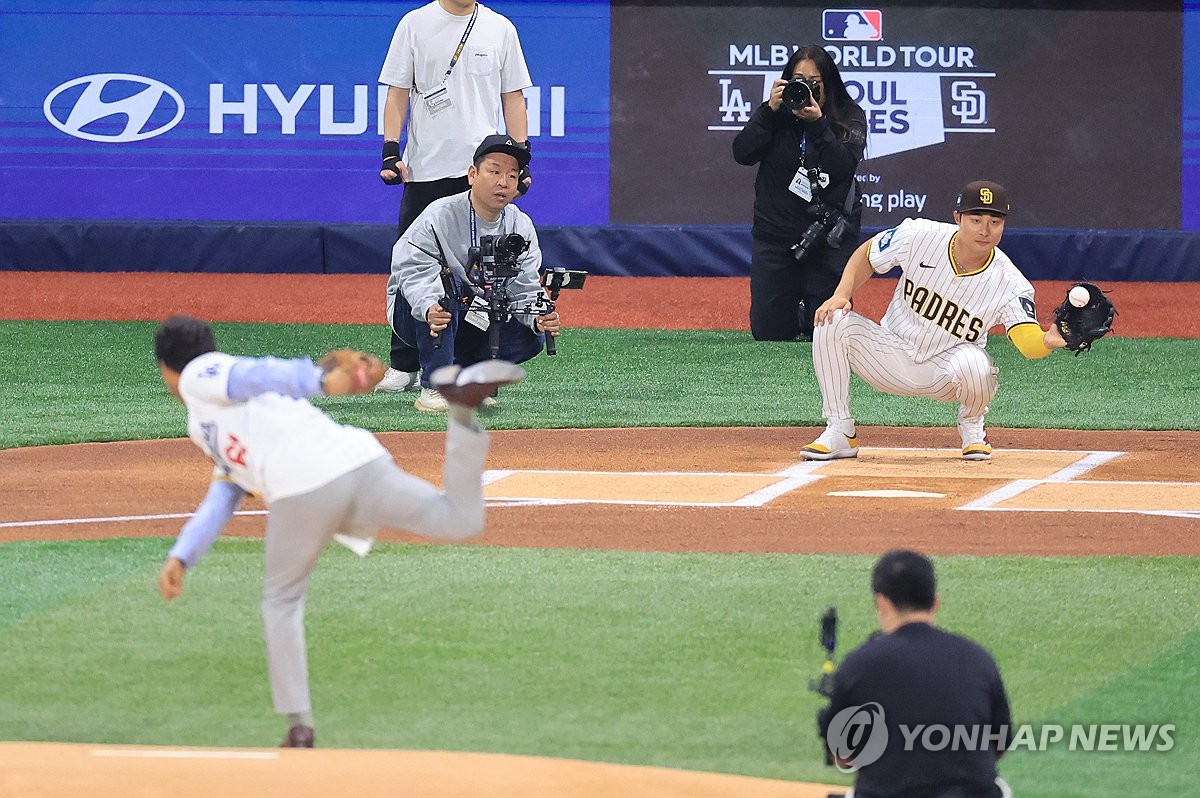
point(857, 736)
point(985, 196)
point(135, 108)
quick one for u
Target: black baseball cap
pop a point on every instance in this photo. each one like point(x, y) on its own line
point(504, 144)
point(983, 195)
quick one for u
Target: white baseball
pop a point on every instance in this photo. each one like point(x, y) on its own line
point(1079, 296)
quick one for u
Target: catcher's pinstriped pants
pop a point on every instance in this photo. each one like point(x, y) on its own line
point(851, 342)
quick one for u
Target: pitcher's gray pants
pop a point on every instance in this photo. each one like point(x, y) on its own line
point(378, 494)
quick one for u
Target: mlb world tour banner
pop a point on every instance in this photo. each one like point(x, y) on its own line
point(1044, 102)
point(270, 109)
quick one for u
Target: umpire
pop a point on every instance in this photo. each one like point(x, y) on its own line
point(925, 685)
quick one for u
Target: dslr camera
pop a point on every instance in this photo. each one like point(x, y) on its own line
point(798, 92)
point(828, 222)
point(495, 258)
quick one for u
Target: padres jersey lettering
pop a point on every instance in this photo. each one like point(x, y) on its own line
point(934, 306)
point(945, 313)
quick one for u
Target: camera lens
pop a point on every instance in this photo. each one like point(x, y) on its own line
point(796, 94)
point(511, 245)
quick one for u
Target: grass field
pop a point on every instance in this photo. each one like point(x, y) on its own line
point(109, 389)
point(685, 660)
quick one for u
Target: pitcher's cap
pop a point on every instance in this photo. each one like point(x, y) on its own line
point(983, 195)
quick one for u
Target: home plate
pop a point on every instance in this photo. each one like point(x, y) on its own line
point(887, 494)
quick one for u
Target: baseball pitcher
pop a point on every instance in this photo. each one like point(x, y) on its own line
point(320, 480)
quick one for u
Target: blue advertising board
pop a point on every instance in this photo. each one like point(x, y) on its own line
point(260, 109)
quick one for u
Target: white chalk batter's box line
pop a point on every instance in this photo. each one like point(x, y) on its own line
point(791, 478)
point(807, 472)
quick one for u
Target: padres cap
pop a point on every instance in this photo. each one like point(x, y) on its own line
point(504, 144)
point(983, 195)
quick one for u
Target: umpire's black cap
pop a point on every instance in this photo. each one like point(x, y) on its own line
point(983, 195)
point(504, 144)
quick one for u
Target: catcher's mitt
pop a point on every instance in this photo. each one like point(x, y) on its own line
point(350, 371)
point(1080, 326)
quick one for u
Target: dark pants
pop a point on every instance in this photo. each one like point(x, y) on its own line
point(415, 200)
point(461, 343)
point(785, 292)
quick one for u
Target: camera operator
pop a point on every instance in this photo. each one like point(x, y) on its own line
point(808, 131)
point(423, 305)
point(918, 675)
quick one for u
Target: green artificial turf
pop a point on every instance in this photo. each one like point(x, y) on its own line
point(696, 661)
point(97, 381)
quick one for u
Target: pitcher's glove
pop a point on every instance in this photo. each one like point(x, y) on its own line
point(350, 371)
point(1081, 325)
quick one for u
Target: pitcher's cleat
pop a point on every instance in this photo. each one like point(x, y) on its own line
point(299, 736)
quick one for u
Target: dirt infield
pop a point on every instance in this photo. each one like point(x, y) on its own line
point(669, 303)
point(719, 490)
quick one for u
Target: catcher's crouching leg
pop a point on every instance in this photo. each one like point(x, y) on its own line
point(975, 378)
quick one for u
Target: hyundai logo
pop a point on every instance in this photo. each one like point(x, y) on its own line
point(89, 107)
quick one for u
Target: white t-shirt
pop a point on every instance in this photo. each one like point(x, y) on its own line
point(934, 307)
point(271, 445)
point(441, 145)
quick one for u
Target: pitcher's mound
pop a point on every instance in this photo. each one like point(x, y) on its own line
point(61, 770)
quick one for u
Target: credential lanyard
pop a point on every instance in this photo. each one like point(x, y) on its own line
point(461, 44)
point(474, 228)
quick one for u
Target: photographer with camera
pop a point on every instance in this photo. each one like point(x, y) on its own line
point(807, 139)
point(465, 283)
point(914, 675)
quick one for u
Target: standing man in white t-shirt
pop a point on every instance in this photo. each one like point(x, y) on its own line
point(320, 480)
point(451, 66)
point(955, 285)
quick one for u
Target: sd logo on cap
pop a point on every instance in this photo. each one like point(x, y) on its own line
point(983, 196)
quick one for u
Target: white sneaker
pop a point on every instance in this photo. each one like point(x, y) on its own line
point(397, 381)
point(831, 445)
point(489, 403)
point(974, 439)
point(430, 401)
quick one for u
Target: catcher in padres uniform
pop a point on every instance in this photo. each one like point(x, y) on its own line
point(954, 286)
point(319, 479)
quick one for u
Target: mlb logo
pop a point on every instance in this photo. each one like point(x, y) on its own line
point(852, 25)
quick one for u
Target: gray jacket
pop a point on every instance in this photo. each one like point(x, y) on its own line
point(417, 274)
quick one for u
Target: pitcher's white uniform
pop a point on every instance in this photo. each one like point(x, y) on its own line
point(933, 335)
point(318, 478)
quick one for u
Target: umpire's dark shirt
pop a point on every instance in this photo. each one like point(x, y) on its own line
point(920, 674)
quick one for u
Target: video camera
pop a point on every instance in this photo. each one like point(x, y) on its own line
point(496, 257)
point(798, 92)
point(828, 222)
point(491, 265)
point(822, 685)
